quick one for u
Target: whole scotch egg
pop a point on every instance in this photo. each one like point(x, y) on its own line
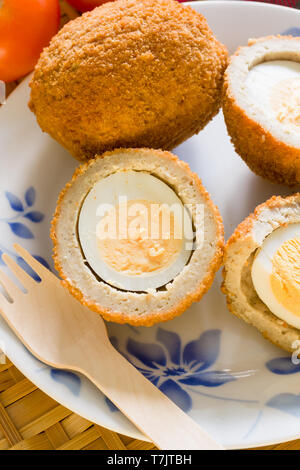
point(129, 73)
point(136, 236)
point(261, 105)
point(262, 270)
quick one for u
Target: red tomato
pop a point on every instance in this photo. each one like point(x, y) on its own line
point(26, 27)
point(86, 5)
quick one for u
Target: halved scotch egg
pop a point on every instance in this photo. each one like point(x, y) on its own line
point(262, 270)
point(136, 236)
point(261, 105)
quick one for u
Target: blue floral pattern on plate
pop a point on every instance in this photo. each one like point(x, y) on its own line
point(23, 212)
point(172, 367)
point(283, 366)
point(67, 378)
point(288, 402)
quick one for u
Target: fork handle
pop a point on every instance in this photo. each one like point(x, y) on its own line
point(166, 425)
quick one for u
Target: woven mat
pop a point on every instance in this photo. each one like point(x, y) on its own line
point(30, 420)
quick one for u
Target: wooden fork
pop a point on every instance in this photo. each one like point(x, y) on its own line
point(64, 334)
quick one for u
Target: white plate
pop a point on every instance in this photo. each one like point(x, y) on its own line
point(256, 400)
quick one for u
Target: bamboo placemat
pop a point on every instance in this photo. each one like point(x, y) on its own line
point(31, 420)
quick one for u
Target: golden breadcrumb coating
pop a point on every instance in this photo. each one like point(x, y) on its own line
point(131, 73)
point(151, 316)
point(265, 155)
point(248, 307)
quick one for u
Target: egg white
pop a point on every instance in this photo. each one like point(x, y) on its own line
point(134, 185)
point(262, 270)
point(262, 78)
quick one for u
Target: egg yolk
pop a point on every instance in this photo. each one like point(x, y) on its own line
point(285, 277)
point(285, 101)
point(139, 237)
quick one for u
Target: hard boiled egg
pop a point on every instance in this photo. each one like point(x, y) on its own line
point(275, 88)
point(134, 231)
point(276, 273)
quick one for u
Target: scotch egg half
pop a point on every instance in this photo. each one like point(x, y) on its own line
point(136, 236)
point(261, 107)
point(262, 270)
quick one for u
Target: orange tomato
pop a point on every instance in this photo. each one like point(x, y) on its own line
point(86, 5)
point(26, 27)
